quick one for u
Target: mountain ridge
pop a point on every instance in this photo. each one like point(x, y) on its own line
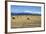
point(24, 14)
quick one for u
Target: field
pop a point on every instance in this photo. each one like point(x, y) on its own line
point(25, 21)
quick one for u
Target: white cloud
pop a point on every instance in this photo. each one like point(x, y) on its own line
point(34, 12)
point(27, 11)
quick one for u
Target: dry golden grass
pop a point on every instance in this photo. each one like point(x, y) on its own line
point(25, 21)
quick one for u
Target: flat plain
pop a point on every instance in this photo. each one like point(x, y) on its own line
point(25, 21)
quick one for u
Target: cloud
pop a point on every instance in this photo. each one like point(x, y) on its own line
point(34, 12)
point(27, 11)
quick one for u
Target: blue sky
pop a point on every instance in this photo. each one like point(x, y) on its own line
point(25, 9)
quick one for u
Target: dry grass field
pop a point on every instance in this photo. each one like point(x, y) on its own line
point(25, 21)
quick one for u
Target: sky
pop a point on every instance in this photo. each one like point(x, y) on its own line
point(25, 9)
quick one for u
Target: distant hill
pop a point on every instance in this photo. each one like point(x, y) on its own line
point(24, 14)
